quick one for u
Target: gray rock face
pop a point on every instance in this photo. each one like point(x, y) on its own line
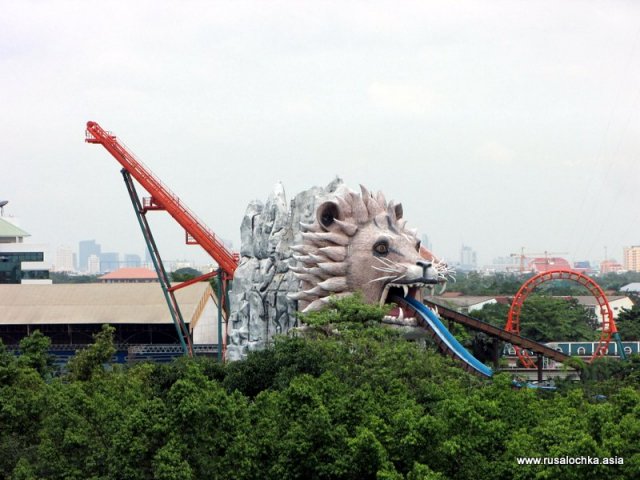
point(259, 305)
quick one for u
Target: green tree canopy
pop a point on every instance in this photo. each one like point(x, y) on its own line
point(184, 274)
point(91, 359)
point(547, 319)
point(357, 404)
point(628, 323)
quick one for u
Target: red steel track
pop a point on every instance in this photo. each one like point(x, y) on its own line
point(164, 199)
point(608, 324)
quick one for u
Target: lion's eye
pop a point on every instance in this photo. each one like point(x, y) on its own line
point(418, 246)
point(381, 248)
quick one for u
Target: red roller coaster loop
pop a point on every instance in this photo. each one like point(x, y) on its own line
point(609, 329)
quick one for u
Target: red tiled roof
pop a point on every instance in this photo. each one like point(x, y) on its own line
point(543, 264)
point(140, 273)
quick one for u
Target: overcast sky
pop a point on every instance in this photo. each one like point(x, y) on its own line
point(498, 124)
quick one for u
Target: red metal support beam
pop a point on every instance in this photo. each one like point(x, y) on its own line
point(164, 198)
point(186, 283)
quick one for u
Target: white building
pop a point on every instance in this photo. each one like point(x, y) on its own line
point(64, 259)
point(21, 262)
point(617, 303)
point(93, 265)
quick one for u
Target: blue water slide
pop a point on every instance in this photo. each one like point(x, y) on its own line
point(432, 321)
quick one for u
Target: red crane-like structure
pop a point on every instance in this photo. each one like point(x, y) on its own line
point(196, 232)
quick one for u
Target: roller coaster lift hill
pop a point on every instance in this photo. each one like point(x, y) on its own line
point(196, 233)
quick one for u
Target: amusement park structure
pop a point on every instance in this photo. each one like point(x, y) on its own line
point(608, 331)
point(451, 347)
point(197, 233)
point(525, 348)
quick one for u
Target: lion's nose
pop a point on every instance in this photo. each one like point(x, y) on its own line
point(425, 266)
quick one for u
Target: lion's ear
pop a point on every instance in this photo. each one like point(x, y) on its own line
point(399, 211)
point(327, 213)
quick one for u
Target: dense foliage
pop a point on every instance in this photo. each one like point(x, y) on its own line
point(64, 277)
point(349, 400)
point(475, 283)
point(628, 322)
point(184, 274)
point(544, 319)
point(614, 281)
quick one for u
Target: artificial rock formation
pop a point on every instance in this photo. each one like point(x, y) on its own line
point(260, 301)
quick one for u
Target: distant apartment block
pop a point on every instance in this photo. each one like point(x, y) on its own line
point(65, 259)
point(109, 261)
point(506, 264)
point(93, 265)
point(610, 266)
point(86, 248)
point(632, 258)
point(583, 266)
point(132, 260)
point(468, 258)
point(426, 243)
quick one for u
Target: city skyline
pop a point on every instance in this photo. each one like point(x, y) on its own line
point(467, 257)
point(196, 256)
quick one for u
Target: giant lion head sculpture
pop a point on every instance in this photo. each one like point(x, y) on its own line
point(359, 242)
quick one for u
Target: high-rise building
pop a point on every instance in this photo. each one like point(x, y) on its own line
point(86, 248)
point(468, 258)
point(425, 242)
point(147, 259)
point(64, 259)
point(610, 266)
point(132, 260)
point(632, 258)
point(109, 261)
point(93, 265)
point(506, 264)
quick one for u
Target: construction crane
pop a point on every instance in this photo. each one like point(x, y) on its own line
point(524, 256)
point(196, 232)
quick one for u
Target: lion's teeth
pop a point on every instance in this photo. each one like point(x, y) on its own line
point(405, 289)
point(383, 297)
point(401, 314)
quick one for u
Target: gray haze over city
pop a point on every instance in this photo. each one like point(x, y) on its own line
point(498, 124)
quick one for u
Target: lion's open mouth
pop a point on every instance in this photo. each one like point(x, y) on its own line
point(400, 314)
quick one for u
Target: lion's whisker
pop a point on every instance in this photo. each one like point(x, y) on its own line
point(389, 270)
point(380, 279)
point(387, 262)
